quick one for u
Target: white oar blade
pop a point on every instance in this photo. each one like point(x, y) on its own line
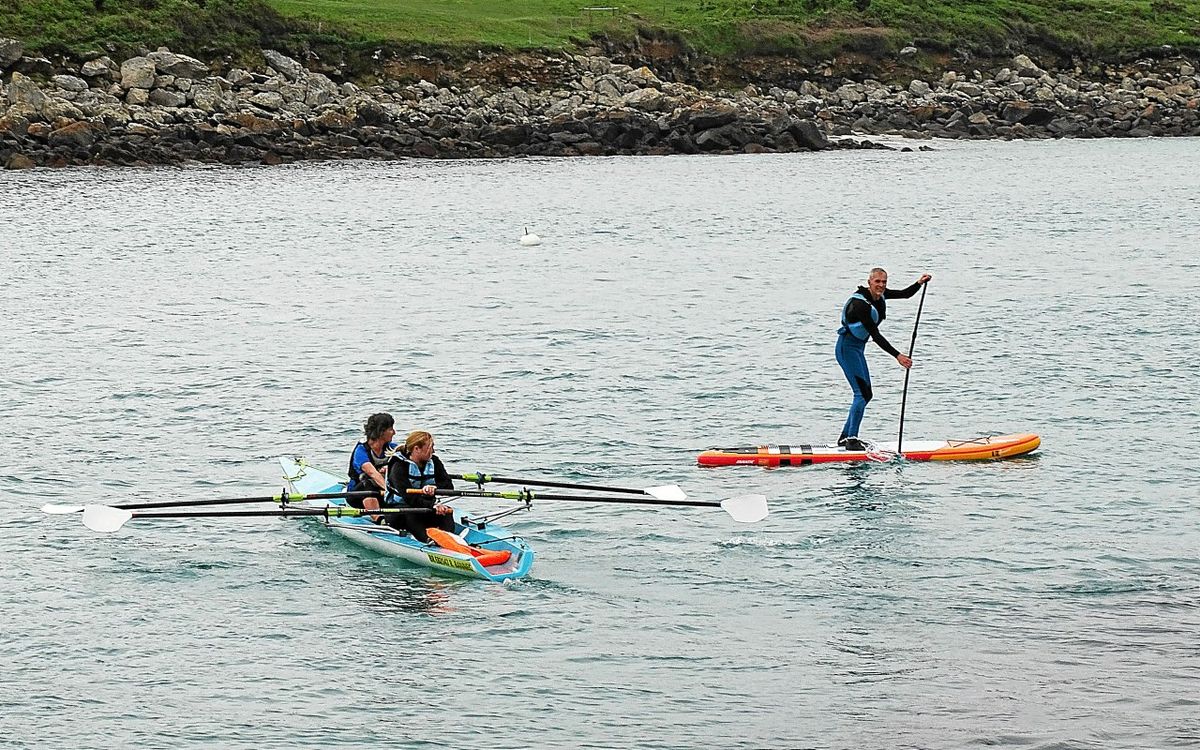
point(747, 508)
point(61, 510)
point(666, 492)
point(104, 518)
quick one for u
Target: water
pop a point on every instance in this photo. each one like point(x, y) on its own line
point(168, 332)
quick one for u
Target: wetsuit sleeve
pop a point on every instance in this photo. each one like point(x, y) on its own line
point(860, 312)
point(904, 293)
point(441, 477)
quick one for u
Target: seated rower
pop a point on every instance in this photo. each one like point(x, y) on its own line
point(415, 467)
point(369, 461)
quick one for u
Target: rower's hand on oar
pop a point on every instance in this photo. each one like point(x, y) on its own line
point(443, 510)
point(428, 490)
point(925, 278)
point(904, 360)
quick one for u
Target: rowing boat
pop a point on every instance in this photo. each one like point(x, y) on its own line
point(306, 480)
point(991, 447)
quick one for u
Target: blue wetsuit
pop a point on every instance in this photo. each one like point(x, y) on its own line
point(861, 317)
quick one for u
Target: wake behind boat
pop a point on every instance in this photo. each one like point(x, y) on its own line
point(988, 448)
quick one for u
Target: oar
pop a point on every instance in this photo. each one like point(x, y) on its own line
point(107, 519)
point(671, 492)
point(745, 509)
point(908, 371)
point(281, 498)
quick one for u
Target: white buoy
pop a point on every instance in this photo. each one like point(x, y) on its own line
point(530, 239)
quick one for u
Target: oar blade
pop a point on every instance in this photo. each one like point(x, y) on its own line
point(747, 508)
point(671, 492)
point(105, 519)
point(61, 510)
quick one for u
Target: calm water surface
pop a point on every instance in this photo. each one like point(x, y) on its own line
point(168, 332)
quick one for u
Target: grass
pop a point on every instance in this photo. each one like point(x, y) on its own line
point(803, 28)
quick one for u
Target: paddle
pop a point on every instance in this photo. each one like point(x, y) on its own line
point(744, 509)
point(53, 509)
point(908, 371)
point(107, 519)
point(670, 492)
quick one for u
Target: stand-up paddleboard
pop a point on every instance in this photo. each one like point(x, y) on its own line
point(988, 448)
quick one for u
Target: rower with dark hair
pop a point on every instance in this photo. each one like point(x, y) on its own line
point(369, 461)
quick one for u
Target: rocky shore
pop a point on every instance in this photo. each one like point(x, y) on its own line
point(168, 108)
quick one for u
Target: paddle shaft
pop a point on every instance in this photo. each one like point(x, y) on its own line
point(483, 478)
point(288, 498)
point(576, 498)
point(908, 371)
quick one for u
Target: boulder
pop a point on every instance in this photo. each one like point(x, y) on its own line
point(11, 50)
point(77, 134)
point(22, 90)
point(19, 161)
point(180, 66)
point(138, 73)
point(165, 98)
point(101, 66)
point(70, 83)
point(286, 66)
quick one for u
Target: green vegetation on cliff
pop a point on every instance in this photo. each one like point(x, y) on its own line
point(802, 28)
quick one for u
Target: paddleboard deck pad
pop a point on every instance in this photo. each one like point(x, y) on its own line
point(989, 448)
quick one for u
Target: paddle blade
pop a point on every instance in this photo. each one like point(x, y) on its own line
point(747, 508)
point(105, 519)
point(61, 510)
point(666, 492)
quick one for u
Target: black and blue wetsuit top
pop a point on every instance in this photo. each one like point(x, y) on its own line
point(361, 455)
point(862, 315)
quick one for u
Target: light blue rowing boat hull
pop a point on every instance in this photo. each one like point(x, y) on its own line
point(309, 480)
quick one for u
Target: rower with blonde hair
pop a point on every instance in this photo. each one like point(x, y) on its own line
point(415, 467)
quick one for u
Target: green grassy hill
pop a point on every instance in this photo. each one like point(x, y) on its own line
point(803, 28)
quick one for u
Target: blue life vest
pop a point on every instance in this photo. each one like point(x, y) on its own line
point(419, 476)
point(360, 455)
point(858, 330)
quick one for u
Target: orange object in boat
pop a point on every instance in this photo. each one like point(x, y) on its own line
point(446, 540)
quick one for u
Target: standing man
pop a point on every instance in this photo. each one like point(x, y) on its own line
point(861, 316)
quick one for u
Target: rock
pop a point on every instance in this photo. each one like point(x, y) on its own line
point(179, 66)
point(644, 77)
point(207, 96)
point(101, 66)
point(137, 96)
point(55, 108)
point(19, 161)
point(11, 50)
point(138, 73)
point(909, 51)
point(14, 125)
point(918, 88)
point(164, 98)
point(22, 90)
point(648, 100)
point(1026, 67)
point(709, 117)
point(850, 93)
point(284, 65)
point(70, 83)
point(809, 135)
point(78, 134)
point(269, 100)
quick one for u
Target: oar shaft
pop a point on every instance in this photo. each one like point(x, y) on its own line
point(485, 478)
point(912, 344)
point(333, 512)
point(574, 498)
point(290, 498)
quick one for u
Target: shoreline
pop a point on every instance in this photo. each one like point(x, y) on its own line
point(164, 108)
